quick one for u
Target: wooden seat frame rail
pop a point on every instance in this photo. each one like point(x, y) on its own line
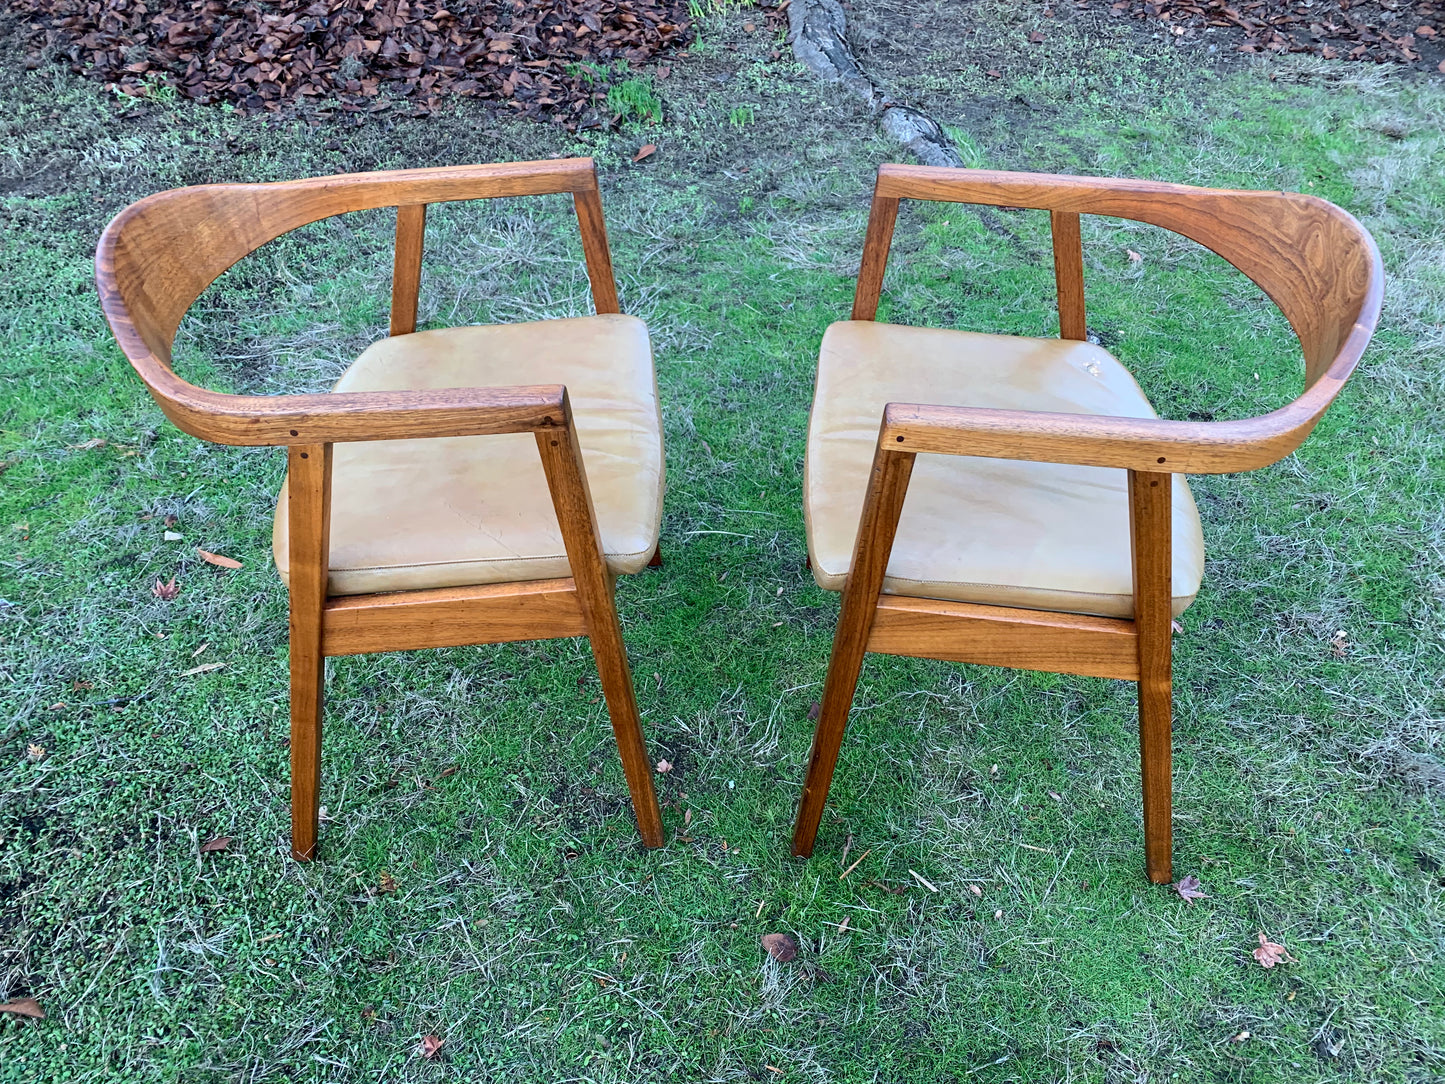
point(158, 256)
point(1318, 265)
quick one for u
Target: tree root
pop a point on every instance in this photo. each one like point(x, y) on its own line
point(816, 29)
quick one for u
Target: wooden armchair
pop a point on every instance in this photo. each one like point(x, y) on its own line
point(416, 512)
point(1049, 527)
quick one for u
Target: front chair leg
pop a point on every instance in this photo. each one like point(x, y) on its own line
point(567, 481)
point(308, 510)
point(1150, 505)
point(887, 486)
point(610, 654)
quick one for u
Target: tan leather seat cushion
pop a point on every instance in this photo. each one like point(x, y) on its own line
point(999, 532)
point(456, 511)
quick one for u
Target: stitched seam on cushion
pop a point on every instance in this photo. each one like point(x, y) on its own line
point(1016, 587)
point(478, 561)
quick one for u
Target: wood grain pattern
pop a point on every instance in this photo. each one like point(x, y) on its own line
point(1005, 636)
point(1313, 260)
point(452, 617)
point(406, 267)
point(1069, 274)
point(1096, 440)
point(595, 250)
point(1151, 537)
point(309, 497)
point(881, 219)
point(567, 480)
point(887, 487)
point(158, 255)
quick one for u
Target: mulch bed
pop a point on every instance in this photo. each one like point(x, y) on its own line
point(1380, 31)
point(544, 58)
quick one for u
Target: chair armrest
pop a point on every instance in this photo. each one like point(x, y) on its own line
point(1141, 444)
point(339, 417)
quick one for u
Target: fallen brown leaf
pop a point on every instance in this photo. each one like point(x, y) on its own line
point(644, 151)
point(1189, 889)
point(815, 709)
point(216, 559)
point(84, 446)
point(780, 946)
point(166, 591)
point(385, 886)
point(1036, 38)
point(35, 752)
point(1134, 257)
point(220, 843)
point(1269, 953)
point(994, 73)
point(430, 1046)
point(664, 766)
point(203, 668)
point(24, 1006)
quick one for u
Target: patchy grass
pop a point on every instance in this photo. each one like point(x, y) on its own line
point(528, 929)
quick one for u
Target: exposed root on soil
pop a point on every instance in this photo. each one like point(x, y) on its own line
point(816, 29)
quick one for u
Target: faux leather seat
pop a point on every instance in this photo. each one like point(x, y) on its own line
point(999, 532)
point(457, 511)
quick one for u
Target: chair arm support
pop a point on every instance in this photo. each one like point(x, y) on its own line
point(340, 417)
point(1141, 444)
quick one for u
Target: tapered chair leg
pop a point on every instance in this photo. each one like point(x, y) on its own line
point(308, 485)
point(567, 480)
point(1150, 505)
point(887, 486)
point(610, 654)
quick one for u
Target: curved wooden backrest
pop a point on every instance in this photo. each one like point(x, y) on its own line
point(1313, 260)
point(159, 254)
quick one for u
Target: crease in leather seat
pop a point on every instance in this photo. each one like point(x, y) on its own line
point(460, 511)
point(998, 532)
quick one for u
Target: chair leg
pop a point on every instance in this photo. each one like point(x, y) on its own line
point(610, 654)
point(308, 510)
point(308, 682)
point(1150, 507)
point(844, 667)
point(1155, 753)
point(887, 486)
point(567, 481)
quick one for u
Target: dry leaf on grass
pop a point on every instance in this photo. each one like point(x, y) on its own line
point(780, 946)
point(1036, 38)
point(172, 536)
point(644, 151)
point(220, 843)
point(203, 668)
point(431, 1046)
point(24, 1006)
point(664, 766)
point(34, 752)
point(1189, 889)
point(166, 591)
point(385, 884)
point(216, 559)
point(1134, 257)
point(1269, 953)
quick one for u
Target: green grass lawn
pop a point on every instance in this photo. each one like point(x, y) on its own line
point(528, 928)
